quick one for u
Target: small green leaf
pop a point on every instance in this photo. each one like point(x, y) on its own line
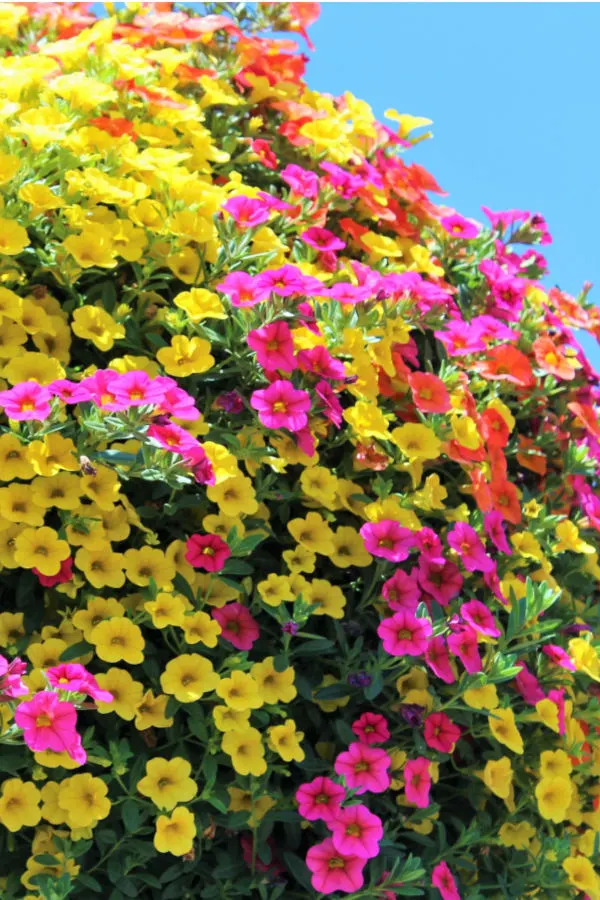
point(76, 650)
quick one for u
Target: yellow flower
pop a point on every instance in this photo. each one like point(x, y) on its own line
point(11, 628)
point(285, 740)
point(14, 462)
point(349, 549)
point(93, 247)
point(127, 693)
point(94, 324)
point(40, 197)
point(244, 801)
point(568, 539)
point(553, 798)
point(199, 627)
point(246, 751)
point(516, 834)
point(240, 691)
point(167, 782)
point(554, 764)
point(16, 505)
point(12, 338)
point(547, 712)
point(167, 609)
point(186, 356)
point(367, 420)
point(235, 496)
point(40, 548)
point(416, 441)
point(465, 432)
point(485, 697)
point(47, 653)
point(52, 454)
point(102, 488)
point(328, 598)
point(275, 590)
point(9, 166)
point(84, 799)
point(320, 485)
point(142, 565)
point(498, 776)
point(503, 727)
point(102, 567)
point(118, 639)
point(51, 811)
point(200, 304)
point(313, 533)
point(188, 677)
point(19, 804)
point(61, 491)
point(527, 545)
point(582, 876)
point(13, 237)
point(227, 719)
point(583, 655)
point(151, 712)
point(299, 560)
point(175, 833)
point(274, 686)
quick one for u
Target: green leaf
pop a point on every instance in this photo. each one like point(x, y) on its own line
point(298, 869)
point(333, 692)
point(76, 650)
point(281, 662)
point(46, 859)
point(375, 688)
point(237, 567)
point(182, 587)
point(131, 815)
point(89, 882)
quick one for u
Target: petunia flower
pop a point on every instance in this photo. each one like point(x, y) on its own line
point(364, 768)
point(281, 405)
point(478, 616)
point(438, 659)
point(334, 871)
point(417, 781)
point(76, 678)
point(356, 831)
point(401, 591)
point(440, 732)
point(25, 401)
point(463, 643)
point(273, 346)
point(467, 543)
point(403, 634)
point(207, 551)
point(238, 626)
point(320, 798)
point(388, 539)
point(50, 724)
point(443, 880)
point(371, 728)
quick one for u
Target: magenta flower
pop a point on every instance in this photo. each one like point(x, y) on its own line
point(401, 591)
point(443, 581)
point(319, 361)
point(559, 657)
point(136, 388)
point(27, 400)
point(76, 678)
point(333, 871)
point(478, 616)
point(247, 212)
point(364, 768)
point(238, 626)
point(461, 339)
point(527, 685)
point(430, 545)
point(50, 724)
point(281, 405)
point(285, 281)
point(301, 182)
point(172, 437)
point(344, 292)
point(207, 551)
point(501, 221)
point(438, 659)
point(371, 728)
point(417, 781)
point(273, 346)
point(101, 386)
point(176, 401)
point(467, 543)
point(388, 539)
point(64, 574)
point(320, 798)
point(322, 239)
point(343, 182)
point(443, 880)
point(404, 634)
point(463, 643)
point(440, 732)
point(332, 408)
point(459, 227)
point(494, 528)
point(356, 831)
point(202, 468)
point(69, 391)
point(242, 289)
point(11, 683)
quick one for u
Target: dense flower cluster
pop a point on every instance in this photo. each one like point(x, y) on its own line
point(299, 511)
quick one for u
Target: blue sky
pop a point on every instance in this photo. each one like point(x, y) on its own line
point(512, 89)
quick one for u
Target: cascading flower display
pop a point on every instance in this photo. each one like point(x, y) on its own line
point(299, 512)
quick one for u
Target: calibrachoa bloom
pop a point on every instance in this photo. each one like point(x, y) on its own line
point(298, 479)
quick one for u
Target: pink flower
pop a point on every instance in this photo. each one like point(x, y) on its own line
point(27, 400)
point(302, 182)
point(101, 387)
point(463, 643)
point(356, 832)
point(469, 547)
point(319, 361)
point(528, 686)
point(460, 339)
point(201, 466)
point(443, 581)
point(137, 389)
point(242, 289)
point(430, 545)
point(273, 346)
point(443, 880)
point(281, 405)
point(430, 394)
point(478, 616)
point(238, 626)
point(333, 871)
point(49, 724)
point(172, 437)
point(440, 732)
point(64, 574)
point(332, 408)
point(176, 401)
point(388, 539)
point(404, 634)
point(559, 657)
point(342, 181)
point(401, 591)
point(76, 678)
point(322, 239)
point(11, 683)
point(69, 391)
point(364, 768)
point(285, 281)
point(344, 292)
point(494, 528)
point(207, 551)
point(417, 781)
point(247, 212)
point(438, 659)
point(459, 227)
point(371, 728)
point(320, 798)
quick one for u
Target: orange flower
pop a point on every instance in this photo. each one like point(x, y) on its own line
point(549, 358)
point(505, 500)
point(506, 363)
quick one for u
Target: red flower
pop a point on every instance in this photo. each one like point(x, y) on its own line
point(207, 551)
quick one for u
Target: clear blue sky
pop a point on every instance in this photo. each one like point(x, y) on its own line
point(512, 89)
